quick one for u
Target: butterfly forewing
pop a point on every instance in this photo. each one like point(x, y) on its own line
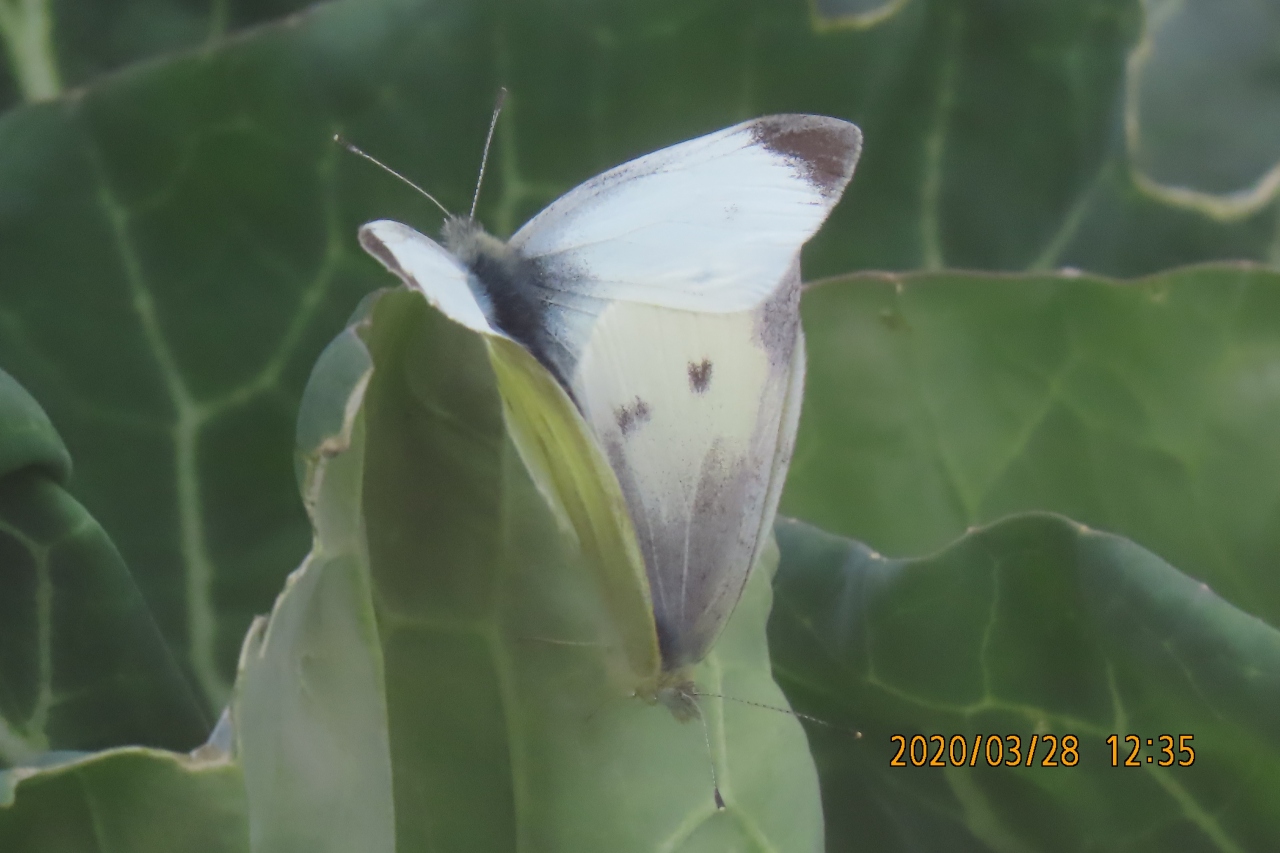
point(712, 224)
point(426, 266)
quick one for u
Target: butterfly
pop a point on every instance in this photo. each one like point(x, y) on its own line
point(663, 298)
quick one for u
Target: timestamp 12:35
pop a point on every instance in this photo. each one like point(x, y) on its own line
point(1008, 751)
point(1164, 756)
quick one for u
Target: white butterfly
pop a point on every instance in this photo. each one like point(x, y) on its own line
point(663, 295)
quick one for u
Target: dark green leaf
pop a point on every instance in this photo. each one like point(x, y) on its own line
point(1203, 113)
point(27, 437)
point(51, 45)
point(1033, 626)
point(1148, 408)
point(82, 665)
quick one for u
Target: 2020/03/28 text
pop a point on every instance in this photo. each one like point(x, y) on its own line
point(1043, 750)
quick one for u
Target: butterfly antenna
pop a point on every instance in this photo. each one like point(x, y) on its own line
point(809, 717)
point(484, 158)
point(711, 759)
point(337, 137)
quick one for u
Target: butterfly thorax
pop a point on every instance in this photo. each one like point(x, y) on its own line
point(511, 290)
point(475, 247)
point(500, 279)
point(681, 700)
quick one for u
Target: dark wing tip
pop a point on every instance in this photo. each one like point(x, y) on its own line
point(371, 243)
point(826, 149)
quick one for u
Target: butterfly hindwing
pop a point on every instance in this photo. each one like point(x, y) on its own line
point(692, 410)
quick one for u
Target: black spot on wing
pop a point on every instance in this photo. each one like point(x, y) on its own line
point(823, 149)
point(700, 376)
point(632, 415)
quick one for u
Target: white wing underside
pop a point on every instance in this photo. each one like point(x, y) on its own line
point(699, 430)
point(426, 266)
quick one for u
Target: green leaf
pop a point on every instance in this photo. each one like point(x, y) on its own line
point(511, 718)
point(1035, 625)
point(1202, 113)
point(199, 224)
point(82, 665)
point(310, 711)
point(1148, 408)
point(27, 436)
point(55, 44)
point(26, 35)
point(571, 471)
point(134, 800)
point(92, 39)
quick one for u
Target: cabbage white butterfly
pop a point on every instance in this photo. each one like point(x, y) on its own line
point(663, 297)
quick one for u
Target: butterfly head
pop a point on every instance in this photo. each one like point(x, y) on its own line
point(681, 699)
point(673, 690)
point(467, 240)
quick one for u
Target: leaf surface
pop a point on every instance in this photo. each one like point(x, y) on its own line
point(124, 801)
point(1146, 408)
point(1034, 626)
point(82, 665)
point(506, 687)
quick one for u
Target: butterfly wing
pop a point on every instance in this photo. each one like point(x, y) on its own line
point(697, 415)
point(712, 224)
point(428, 267)
point(691, 372)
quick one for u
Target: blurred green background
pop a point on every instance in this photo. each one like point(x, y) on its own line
point(177, 244)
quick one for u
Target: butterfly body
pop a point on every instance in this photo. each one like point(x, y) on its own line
point(679, 695)
point(663, 296)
